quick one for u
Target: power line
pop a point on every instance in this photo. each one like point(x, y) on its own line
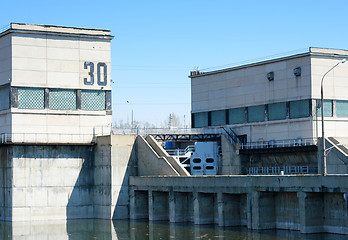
point(158, 103)
point(156, 83)
point(284, 54)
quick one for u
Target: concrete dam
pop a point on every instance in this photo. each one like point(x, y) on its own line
point(132, 177)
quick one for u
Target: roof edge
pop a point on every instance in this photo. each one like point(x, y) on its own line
point(313, 51)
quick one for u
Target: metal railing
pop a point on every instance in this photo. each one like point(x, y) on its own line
point(280, 143)
point(230, 135)
point(287, 170)
point(45, 138)
point(6, 138)
point(149, 131)
point(180, 152)
point(86, 137)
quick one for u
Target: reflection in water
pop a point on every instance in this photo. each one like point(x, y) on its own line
point(124, 230)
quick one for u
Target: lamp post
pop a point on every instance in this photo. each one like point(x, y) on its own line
point(132, 114)
point(322, 116)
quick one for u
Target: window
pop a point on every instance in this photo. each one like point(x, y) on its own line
point(256, 114)
point(218, 118)
point(341, 108)
point(62, 99)
point(31, 98)
point(277, 111)
point(4, 98)
point(299, 109)
point(200, 119)
point(327, 108)
point(236, 115)
point(92, 100)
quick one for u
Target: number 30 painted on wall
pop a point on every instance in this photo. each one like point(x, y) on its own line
point(102, 80)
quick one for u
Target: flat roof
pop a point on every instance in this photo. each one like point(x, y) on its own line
point(55, 30)
point(313, 51)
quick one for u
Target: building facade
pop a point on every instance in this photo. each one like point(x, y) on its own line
point(276, 99)
point(55, 83)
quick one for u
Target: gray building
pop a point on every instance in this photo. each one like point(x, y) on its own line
point(54, 83)
point(276, 99)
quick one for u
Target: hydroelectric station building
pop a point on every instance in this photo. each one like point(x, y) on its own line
point(273, 107)
point(58, 160)
point(277, 99)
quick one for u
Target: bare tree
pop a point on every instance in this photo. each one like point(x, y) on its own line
point(172, 121)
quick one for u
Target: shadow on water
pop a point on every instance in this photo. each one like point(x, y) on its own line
point(164, 230)
point(142, 230)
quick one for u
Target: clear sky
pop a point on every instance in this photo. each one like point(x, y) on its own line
point(157, 43)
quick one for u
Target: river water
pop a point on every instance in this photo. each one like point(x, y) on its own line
point(123, 229)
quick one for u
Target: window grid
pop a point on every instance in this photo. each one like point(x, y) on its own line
point(31, 98)
point(62, 99)
point(92, 100)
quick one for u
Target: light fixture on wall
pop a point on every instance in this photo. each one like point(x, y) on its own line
point(270, 76)
point(297, 71)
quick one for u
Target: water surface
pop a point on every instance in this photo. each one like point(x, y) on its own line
point(123, 229)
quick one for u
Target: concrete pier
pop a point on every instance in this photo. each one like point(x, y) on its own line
point(310, 204)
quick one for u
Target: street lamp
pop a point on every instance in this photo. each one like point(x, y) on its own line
point(322, 116)
point(132, 114)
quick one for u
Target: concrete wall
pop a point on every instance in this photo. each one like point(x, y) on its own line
point(51, 182)
point(162, 153)
point(55, 61)
point(310, 204)
point(6, 183)
point(114, 163)
point(149, 163)
point(336, 159)
point(5, 60)
point(5, 78)
point(249, 86)
point(231, 162)
point(284, 159)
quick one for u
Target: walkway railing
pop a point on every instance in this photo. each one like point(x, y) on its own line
point(45, 138)
point(282, 170)
point(280, 143)
point(149, 131)
point(6, 138)
point(230, 135)
point(180, 152)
